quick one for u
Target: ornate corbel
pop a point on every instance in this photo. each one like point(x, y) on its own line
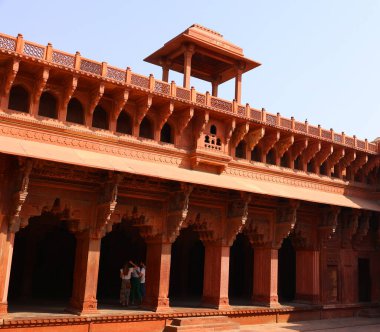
point(107, 204)
point(257, 229)
point(286, 220)
point(199, 124)
point(119, 101)
point(297, 148)
point(363, 228)
point(178, 208)
point(206, 222)
point(268, 142)
point(357, 164)
point(183, 118)
point(322, 156)
point(334, 159)
point(329, 223)
point(240, 131)
point(94, 98)
point(349, 157)
point(10, 75)
point(149, 224)
point(164, 113)
point(68, 91)
point(373, 162)
point(302, 237)
point(282, 146)
point(143, 106)
point(230, 127)
point(253, 137)
point(40, 84)
point(309, 153)
point(237, 215)
point(349, 227)
point(19, 196)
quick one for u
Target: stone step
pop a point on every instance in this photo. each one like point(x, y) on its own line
point(203, 324)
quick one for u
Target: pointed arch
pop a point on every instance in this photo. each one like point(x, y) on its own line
point(166, 134)
point(75, 112)
point(48, 105)
point(19, 99)
point(124, 123)
point(146, 128)
point(100, 118)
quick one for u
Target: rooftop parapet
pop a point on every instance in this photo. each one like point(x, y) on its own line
point(75, 63)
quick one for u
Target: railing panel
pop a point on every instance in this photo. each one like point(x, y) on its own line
point(299, 126)
point(372, 147)
point(91, 66)
point(64, 59)
point(349, 141)
point(271, 119)
point(34, 50)
point(8, 43)
point(256, 115)
point(286, 123)
point(338, 138)
point(326, 134)
point(116, 74)
point(182, 93)
point(162, 87)
point(360, 144)
point(220, 104)
point(241, 110)
point(139, 80)
point(200, 98)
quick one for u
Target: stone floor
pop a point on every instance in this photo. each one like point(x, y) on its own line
point(337, 325)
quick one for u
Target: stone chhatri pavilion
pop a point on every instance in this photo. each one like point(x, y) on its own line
point(243, 213)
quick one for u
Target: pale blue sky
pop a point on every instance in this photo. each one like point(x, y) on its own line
point(320, 59)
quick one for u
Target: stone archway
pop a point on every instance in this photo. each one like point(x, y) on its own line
point(43, 262)
point(187, 267)
point(241, 271)
point(121, 245)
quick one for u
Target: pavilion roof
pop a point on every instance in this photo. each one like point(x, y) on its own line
point(214, 57)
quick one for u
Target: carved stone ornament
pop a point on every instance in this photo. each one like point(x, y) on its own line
point(177, 211)
point(328, 223)
point(286, 220)
point(258, 230)
point(19, 196)
point(363, 227)
point(349, 227)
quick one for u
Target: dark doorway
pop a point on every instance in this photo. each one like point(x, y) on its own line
point(286, 271)
point(19, 99)
point(241, 271)
point(187, 266)
point(364, 280)
point(121, 245)
point(240, 150)
point(100, 118)
point(166, 134)
point(146, 128)
point(43, 262)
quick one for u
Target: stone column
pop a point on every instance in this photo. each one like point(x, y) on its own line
point(216, 273)
point(165, 73)
point(6, 252)
point(307, 276)
point(265, 276)
point(86, 270)
point(214, 85)
point(158, 259)
point(238, 79)
point(188, 54)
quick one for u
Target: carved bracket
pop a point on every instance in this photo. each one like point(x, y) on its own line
point(358, 163)
point(236, 218)
point(363, 228)
point(164, 113)
point(257, 229)
point(373, 162)
point(120, 100)
point(94, 98)
point(268, 141)
point(283, 145)
point(40, 84)
point(349, 227)
point(20, 195)
point(143, 106)
point(230, 127)
point(240, 131)
point(253, 137)
point(199, 124)
point(183, 119)
point(177, 211)
point(328, 223)
point(286, 221)
point(10, 75)
point(68, 91)
point(298, 147)
point(309, 153)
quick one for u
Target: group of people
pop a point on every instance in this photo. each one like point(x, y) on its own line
point(132, 289)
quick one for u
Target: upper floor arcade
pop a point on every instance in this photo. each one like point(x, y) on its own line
point(46, 88)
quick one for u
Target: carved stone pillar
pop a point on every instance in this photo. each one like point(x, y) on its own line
point(216, 272)
point(265, 274)
point(6, 252)
point(158, 259)
point(307, 276)
point(188, 54)
point(86, 269)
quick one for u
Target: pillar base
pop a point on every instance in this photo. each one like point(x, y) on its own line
point(3, 308)
point(267, 301)
point(215, 303)
point(156, 305)
point(84, 308)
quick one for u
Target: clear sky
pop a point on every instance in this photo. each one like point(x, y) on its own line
point(320, 59)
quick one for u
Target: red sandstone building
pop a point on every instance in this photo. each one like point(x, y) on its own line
point(235, 210)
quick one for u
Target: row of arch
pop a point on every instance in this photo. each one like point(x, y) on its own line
point(44, 258)
point(19, 100)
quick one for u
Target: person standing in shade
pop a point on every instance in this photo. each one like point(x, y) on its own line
point(125, 289)
point(135, 285)
point(142, 280)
